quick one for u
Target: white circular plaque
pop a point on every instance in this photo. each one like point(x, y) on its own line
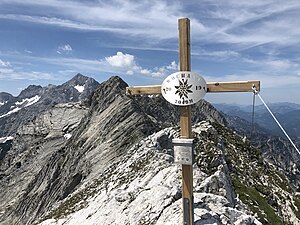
point(183, 88)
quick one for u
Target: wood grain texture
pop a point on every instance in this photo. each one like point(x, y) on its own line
point(143, 90)
point(186, 115)
point(185, 122)
point(184, 44)
point(235, 86)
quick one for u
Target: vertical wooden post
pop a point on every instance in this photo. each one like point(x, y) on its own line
point(185, 123)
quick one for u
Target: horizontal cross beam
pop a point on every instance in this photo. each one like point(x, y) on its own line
point(236, 86)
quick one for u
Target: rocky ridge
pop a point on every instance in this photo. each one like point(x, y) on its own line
point(103, 134)
point(144, 187)
point(277, 150)
point(115, 155)
point(261, 185)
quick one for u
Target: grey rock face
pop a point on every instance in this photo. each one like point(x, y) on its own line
point(144, 187)
point(277, 150)
point(30, 91)
point(167, 114)
point(113, 123)
point(35, 144)
point(36, 99)
point(4, 148)
point(112, 163)
point(260, 185)
point(5, 97)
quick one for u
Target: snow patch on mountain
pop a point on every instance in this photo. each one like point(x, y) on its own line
point(67, 136)
point(23, 103)
point(11, 112)
point(79, 88)
point(28, 101)
point(5, 139)
point(2, 103)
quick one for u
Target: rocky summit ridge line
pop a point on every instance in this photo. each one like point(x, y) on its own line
point(110, 161)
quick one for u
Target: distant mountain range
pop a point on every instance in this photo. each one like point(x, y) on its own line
point(288, 114)
point(15, 110)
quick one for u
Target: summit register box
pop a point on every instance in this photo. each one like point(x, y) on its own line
point(183, 151)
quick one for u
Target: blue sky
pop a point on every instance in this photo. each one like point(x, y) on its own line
point(50, 41)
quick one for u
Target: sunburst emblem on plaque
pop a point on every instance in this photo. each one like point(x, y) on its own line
point(183, 89)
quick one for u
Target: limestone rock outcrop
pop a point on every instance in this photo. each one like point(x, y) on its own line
point(109, 160)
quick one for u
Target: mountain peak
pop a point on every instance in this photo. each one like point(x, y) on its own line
point(79, 76)
point(113, 85)
point(78, 79)
point(4, 96)
point(118, 81)
point(13, 113)
point(30, 91)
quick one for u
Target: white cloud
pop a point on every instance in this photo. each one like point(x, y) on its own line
point(22, 75)
point(64, 49)
point(10, 72)
point(254, 24)
point(158, 74)
point(258, 38)
point(165, 70)
point(27, 51)
point(77, 64)
point(6, 70)
point(162, 71)
point(126, 63)
point(54, 21)
point(172, 66)
point(4, 64)
point(230, 22)
point(145, 71)
point(130, 72)
point(121, 63)
point(123, 17)
point(65, 65)
point(234, 23)
point(121, 60)
point(281, 64)
point(216, 55)
point(274, 65)
point(267, 79)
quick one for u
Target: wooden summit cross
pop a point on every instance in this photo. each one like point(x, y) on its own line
point(185, 111)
